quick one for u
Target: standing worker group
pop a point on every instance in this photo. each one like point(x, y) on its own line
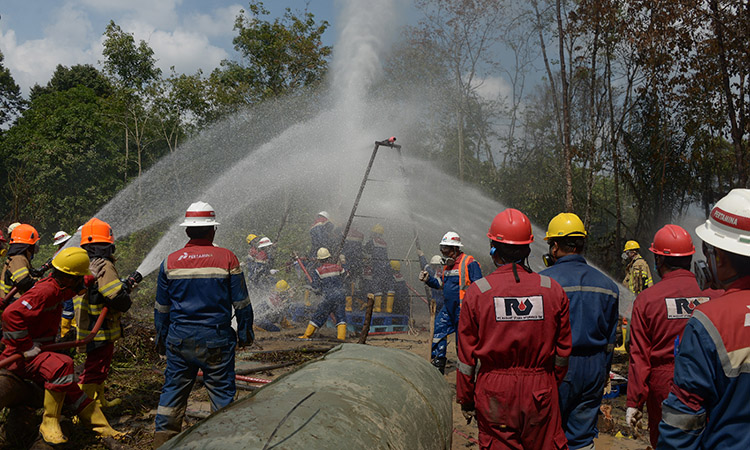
point(594, 303)
point(708, 406)
point(459, 271)
point(197, 288)
point(514, 323)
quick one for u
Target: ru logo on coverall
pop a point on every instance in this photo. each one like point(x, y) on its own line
point(509, 309)
point(682, 307)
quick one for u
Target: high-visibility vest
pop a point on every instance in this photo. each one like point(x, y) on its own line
point(463, 275)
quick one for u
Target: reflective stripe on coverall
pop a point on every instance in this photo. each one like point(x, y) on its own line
point(453, 281)
point(197, 288)
point(708, 407)
point(329, 278)
point(594, 312)
point(660, 314)
point(519, 332)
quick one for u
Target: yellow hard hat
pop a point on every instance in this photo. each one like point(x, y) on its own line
point(323, 253)
point(631, 245)
point(282, 286)
point(73, 261)
point(395, 265)
point(565, 224)
point(377, 228)
point(250, 237)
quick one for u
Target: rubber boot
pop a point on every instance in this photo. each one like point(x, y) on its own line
point(161, 437)
point(92, 415)
point(341, 332)
point(378, 303)
point(309, 332)
point(389, 299)
point(65, 325)
point(349, 303)
point(96, 392)
point(440, 364)
point(50, 427)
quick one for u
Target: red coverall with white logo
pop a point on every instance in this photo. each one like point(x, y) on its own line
point(660, 314)
point(33, 319)
point(518, 327)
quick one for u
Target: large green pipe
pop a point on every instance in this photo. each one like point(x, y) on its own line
point(355, 396)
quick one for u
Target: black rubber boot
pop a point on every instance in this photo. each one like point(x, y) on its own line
point(440, 364)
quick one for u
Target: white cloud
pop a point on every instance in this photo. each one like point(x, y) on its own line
point(186, 51)
point(493, 88)
point(219, 23)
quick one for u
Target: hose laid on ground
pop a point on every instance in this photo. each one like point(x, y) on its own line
point(63, 345)
point(244, 378)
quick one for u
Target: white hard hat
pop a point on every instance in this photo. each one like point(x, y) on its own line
point(323, 253)
point(61, 237)
point(199, 214)
point(451, 238)
point(325, 214)
point(264, 242)
point(728, 226)
point(436, 260)
point(12, 227)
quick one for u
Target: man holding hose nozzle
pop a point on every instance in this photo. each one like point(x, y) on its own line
point(31, 323)
point(197, 288)
point(103, 288)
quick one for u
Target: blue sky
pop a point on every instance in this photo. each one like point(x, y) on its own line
point(37, 35)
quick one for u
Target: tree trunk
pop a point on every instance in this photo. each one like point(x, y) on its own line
point(567, 155)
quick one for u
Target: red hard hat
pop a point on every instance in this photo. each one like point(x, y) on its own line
point(2, 237)
point(511, 227)
point(672, 240)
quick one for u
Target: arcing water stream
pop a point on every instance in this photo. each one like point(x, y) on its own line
point(312, 150)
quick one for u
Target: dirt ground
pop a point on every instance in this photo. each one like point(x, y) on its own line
point(137, 378)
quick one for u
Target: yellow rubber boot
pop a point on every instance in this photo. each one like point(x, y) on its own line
point(92, 415)
point(309, 332)
point(341, 332)
point(65, 325)
point(96, 391)
point(378, 303)
point(50, 427)
point(389, 299)
point(348, 303)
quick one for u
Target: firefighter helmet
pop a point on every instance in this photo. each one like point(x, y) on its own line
point(325, 214)
point(631, 245)
point(395, 265)
point(728, 226)
point(437, 259)
point(672, 240)
point(73, 261)
point(451, 238)
point(12, 227)
point(61, 237)
point(96, 231)
point(199, 214)
point(24, 234)
point(281, 286)
point(264, 242)
point(565, 224)
point(250, 238)
point(323, 253)
point(511, 227)
point(2, 237)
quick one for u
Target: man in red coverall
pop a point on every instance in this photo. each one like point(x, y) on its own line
point(31, 322)
point(660, 314)
point(516, 323)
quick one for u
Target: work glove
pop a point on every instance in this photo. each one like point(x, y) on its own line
point(424, 276)
point(249, 338)
point(96, 266)
point(420, 252)
point(633, 417)
point(32, 352)
point(469, 412)
point(342, 259)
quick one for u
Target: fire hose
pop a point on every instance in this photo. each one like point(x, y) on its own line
point(63, 345)
point(417, 294)
point(245, 378)
point(304, 269)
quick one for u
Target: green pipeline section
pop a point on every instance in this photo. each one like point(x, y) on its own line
point(353, 397)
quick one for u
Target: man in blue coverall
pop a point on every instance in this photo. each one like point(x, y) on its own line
point(708, 405)
point(459, 271)
point(594, 303)
point(197, 288)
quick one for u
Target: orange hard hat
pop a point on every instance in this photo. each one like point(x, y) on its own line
point(511, 227)
point(96, 230)
point(672, 240)
point(24, 234)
